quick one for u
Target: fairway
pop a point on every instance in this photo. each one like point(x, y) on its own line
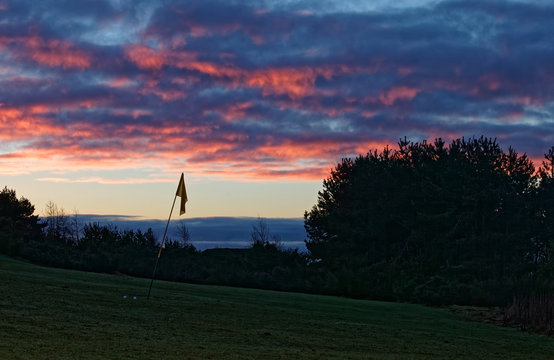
point(48, 313)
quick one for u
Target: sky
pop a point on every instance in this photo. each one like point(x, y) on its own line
point(103, 103)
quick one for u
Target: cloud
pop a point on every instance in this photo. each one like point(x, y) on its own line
point(46, 52)
point(101, 180)
point(390, 96)
point(261, 91)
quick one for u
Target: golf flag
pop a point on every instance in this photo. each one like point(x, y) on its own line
point(182, 192)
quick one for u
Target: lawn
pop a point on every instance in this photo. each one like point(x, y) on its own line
point(48, 313)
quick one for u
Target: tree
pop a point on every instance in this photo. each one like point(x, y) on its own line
point(75, 227)
point(183, 234)
point(58, 225)
point(16, 209)
point(97, 238)
point(547, 171)
point(543, 208)
point(457, 213)
point(18, 224)
point(261, 236)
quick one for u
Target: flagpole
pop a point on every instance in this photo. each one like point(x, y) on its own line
point(161, 246)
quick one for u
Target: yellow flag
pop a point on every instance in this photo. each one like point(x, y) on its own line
point(182, 192)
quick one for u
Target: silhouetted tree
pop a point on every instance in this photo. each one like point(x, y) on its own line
point(183, 234)
point(58, 224)
point(75, 227)
point(261, 236)
point(543, 210)
point(18, 224)
point(425, 217)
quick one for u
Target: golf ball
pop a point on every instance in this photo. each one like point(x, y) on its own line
point(125, 296)
point(134, 297)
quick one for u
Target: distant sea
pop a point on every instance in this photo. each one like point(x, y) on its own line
point(210, 232)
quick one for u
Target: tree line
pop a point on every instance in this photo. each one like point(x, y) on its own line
point(59, 240)
point(463, 222)
point(430, 222)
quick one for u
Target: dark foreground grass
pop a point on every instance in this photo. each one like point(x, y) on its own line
point(50, 313)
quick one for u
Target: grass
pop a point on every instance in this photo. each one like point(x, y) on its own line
point(48, 313)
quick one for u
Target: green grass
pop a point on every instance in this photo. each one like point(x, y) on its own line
point(50, 313)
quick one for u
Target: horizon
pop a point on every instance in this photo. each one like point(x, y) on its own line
point(104, 104)
point(207, 232)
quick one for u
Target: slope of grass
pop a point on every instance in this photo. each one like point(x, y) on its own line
point(50, 313)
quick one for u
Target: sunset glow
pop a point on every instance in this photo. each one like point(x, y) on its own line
point(117, 98)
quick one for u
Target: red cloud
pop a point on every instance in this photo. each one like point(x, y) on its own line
point(53, 52)
point(60, 53)
point(145, 57)
point(235, 112)
point(201, 148)
point(294, 82)
point(390, 96)
point(151, 87)
point(17, 124)
point(121, 82)
point(212, 69)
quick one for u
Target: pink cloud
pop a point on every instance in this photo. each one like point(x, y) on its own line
point(81, 145)
point(211, 69)
point(145, 57)
point(235, 112)
point(151, 87)
point(121, 82)
point(102, 180)
point(17, 124)
point(294, 82)
point(389, 97)
point(60, 53)
point(52, 52)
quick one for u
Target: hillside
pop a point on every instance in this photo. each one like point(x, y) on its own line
point(52, 313)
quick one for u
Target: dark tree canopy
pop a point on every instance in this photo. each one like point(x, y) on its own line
point(16, 214)
point(16, 209)
point(429, 213)
point(17, 222)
